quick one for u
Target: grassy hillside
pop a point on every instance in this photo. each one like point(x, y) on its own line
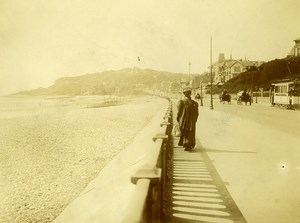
point(266, 74)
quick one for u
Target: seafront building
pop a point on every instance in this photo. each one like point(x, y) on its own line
point(295, 51)
point(226, 69)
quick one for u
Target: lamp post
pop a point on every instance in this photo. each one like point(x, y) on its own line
point(211, 80)
point(256, 95)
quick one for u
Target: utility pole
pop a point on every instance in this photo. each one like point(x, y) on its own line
point(252, 87)
point(288, 67)
point(189, 73)
point(211, 80)
point(201, 97)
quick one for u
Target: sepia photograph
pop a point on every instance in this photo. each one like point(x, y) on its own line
point(148, 111)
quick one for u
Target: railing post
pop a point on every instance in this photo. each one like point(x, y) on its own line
point(166, 165)
point(138, 202)
point(154, 204)
point(163, 181)
point(152, 211)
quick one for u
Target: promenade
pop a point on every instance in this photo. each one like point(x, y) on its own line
point(255, 151)
point(198, 192)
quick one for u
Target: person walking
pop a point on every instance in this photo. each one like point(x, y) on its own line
point(187, 116)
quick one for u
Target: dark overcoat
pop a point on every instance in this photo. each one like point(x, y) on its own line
point(187, 117)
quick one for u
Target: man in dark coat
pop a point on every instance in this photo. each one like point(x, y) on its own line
point(187, 117)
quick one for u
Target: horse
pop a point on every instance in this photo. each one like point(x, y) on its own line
point(225, 97)
point(244, 97)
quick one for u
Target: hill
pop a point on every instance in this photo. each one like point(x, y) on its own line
point(266, 74)
point(123, 81)
point(131, 80)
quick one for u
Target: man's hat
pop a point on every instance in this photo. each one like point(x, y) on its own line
point(186, 89)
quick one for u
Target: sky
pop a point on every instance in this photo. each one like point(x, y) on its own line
point(41, 41)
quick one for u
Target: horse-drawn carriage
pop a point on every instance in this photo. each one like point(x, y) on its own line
point(225, 97)
point(243, 96)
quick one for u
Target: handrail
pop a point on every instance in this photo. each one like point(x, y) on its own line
point(150, 204)
point(138, 201)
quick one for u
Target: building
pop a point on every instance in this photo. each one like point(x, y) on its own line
point(225, 70)
point(295, 51)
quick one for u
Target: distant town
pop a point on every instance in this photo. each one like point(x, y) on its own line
point(225, 70)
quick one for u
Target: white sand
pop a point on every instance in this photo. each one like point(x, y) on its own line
point(51, 149)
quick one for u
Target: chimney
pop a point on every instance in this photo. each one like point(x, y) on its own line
point(221, 57)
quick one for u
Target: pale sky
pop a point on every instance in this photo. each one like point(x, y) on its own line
point(41, 41)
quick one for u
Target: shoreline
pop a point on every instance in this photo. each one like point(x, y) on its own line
point(50, 155)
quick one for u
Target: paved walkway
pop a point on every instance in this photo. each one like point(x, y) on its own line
point(198, 192)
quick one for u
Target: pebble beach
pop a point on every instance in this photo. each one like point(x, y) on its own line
point(51, 148)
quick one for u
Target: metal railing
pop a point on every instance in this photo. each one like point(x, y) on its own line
point(148, 203)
